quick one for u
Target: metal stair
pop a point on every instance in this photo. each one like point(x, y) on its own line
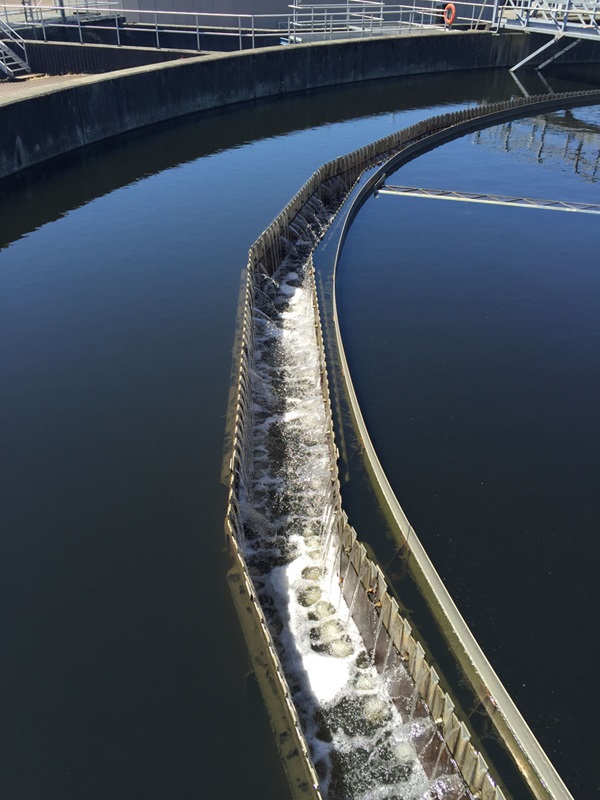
point(573, 20)
point(13, 54)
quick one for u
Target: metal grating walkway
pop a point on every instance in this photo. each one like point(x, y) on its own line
point(490, 199)
point(574, 20)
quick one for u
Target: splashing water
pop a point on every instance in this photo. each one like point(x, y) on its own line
point(362, 745)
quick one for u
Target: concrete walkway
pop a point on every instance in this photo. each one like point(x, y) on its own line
point(11, 91)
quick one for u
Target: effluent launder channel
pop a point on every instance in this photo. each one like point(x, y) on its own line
point(119, 280)
point(365, 727)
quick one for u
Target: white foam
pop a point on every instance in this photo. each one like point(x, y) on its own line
point(292, 462)
point(326, 675)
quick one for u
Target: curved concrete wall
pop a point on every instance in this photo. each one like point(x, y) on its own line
point(267, 253)
point(512, 729)
point(95, 108)
point(62, 58)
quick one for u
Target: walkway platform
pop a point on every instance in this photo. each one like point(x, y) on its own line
point(576, 20)
point(490, 199)
point(34, 85)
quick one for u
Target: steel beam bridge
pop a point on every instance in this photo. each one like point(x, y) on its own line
point(571, 20)
point(489, 199)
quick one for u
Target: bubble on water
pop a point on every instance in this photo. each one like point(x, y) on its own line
point(376, 710)
point(312, 573)
point(322, 610)
point(365, 683)
point(340, 648)
point(404, 751)
point(290, 514)
point(310, 596)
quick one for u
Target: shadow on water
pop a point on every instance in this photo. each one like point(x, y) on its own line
point(475, 435)
point(45, 192)
point(366, 510)
point(125, 673)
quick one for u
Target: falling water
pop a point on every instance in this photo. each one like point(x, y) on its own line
point(354, 594)
point(364, 743)
point(377, 633)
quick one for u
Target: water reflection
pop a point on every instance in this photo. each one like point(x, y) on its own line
point(565, 140)
point(44, 193)
point(117, 310)
point(117, 304)
point(479, 386)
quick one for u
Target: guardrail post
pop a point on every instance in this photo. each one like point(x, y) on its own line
point(79, 27)
point(156, 28)
point(240, 33)
point(197, 34)
point(566, 15)
point(117, 28)
point(252, 23)
point(495, 17)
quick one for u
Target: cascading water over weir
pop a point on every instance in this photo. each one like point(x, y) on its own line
point(368, 715)
point(364, 738)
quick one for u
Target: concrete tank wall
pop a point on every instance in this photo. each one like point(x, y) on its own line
point(61, 58)
point(385, 632)
point(92, 109)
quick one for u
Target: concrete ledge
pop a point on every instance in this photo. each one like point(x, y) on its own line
point(528, 755)
point(60, 58)
point(329, 187)
point(95, 108)
point(302, 778)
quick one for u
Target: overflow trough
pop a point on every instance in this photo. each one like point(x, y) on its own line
point(280, 269)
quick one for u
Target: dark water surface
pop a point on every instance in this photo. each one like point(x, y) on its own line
point(124, 674)
point(473, 338)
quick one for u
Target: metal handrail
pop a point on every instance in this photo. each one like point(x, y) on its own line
point(579, 17)
point(362, 18)
point(377, 17)
point(16, 40)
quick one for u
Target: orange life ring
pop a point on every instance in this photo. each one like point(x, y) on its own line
point(449, 14)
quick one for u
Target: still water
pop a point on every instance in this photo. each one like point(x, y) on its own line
point(124, 672)
point(472, 334)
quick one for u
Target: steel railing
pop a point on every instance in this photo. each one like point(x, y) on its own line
point(354, 19)
point(376, 18)
point(14, 41)
point(575, 17)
